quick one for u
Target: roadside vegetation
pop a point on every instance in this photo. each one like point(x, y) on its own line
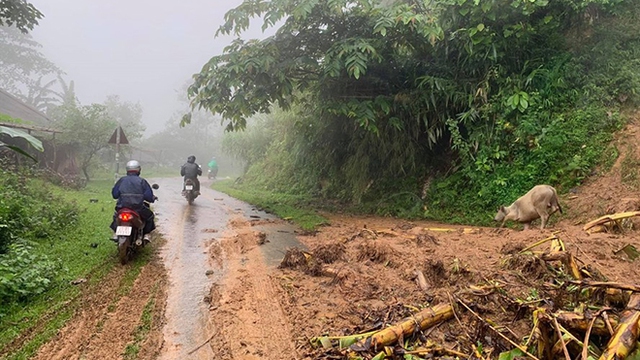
point(297, 209)
point(54, 243)
point(441, 110)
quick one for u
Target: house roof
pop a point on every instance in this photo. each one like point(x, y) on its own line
point(30, 127)
point(14, 107)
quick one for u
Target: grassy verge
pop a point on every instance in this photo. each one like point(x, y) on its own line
point(82, 250)
point(289, 207)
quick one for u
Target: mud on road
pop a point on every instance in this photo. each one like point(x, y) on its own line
point(217, 292)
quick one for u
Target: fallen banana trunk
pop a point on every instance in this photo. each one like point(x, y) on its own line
point(626, 335)
point(580, 322)
point(423, 320)
point(613, 218)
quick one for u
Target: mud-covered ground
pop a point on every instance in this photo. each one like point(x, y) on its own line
point(219, 293)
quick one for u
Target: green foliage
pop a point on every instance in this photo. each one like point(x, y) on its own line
point(286, 206)
point(28, 210)
point(35, 143)
point(8, 119)
point(19, 13)
point(481, 100)
point(87, 129)
point(24, 274)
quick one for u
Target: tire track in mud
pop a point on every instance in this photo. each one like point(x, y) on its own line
point(247, 314)
point(106, 322)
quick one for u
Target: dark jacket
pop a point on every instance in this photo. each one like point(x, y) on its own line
point(131, 192)
point(190, 170)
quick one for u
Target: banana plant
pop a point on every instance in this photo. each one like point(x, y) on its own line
point(37, 144)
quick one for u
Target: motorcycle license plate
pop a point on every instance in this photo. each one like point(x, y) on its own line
point(188, 187)
point(123, 230)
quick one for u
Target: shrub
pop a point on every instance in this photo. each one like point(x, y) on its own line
point(23, 274)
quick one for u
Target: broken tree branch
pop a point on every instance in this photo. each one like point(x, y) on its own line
point(564, 345)
point(614, 285)
point(578, 321)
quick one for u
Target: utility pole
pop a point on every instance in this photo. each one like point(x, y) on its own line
point(118, 138)
point(117, 154)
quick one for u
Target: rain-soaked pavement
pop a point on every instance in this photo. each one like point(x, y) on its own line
point(188, 230)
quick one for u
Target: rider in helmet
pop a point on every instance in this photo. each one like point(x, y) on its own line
point(132, 191)
point(191, 170)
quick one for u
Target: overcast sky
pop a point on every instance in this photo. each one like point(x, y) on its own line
point(142, 50)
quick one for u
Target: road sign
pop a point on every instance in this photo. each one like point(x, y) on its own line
point(118, 139)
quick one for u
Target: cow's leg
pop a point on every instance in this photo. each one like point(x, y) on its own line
point(544, 217)
point(526, 225)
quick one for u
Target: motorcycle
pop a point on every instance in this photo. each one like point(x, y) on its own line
point(211, 174)
point(188, 191)
point(129, 232)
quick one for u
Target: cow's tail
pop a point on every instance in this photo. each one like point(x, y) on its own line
point(557, 201)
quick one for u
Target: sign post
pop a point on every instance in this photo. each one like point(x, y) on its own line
point(118, 137)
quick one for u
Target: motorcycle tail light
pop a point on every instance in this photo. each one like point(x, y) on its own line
point(125, 216)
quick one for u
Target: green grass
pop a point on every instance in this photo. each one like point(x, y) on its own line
point(83, 250)
point(289, 207)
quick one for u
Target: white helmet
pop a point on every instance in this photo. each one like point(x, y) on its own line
point(133, 166)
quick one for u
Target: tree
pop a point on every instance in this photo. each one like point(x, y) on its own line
point(19, 13)
point(411, 89)
point(41, 96)
point(86, 129)
point(22, 65)
point(127, 114)
point(202, 139)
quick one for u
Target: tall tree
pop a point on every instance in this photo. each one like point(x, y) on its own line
point(19, 13)
point(22, 65)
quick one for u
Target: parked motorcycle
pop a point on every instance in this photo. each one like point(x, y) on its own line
point(188, 191)
point(129, 232)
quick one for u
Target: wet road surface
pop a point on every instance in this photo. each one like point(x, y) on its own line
point(189, 231)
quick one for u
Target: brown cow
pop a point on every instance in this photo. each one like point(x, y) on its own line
point(539, 202)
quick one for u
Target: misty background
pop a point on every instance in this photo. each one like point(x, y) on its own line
point(143, 51)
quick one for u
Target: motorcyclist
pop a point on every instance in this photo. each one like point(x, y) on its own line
point(191, 170)
point(213, 167)
point(132, 191)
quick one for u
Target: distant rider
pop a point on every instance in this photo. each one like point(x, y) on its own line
point(213, 166)
point(191, 170)
point(132, 191)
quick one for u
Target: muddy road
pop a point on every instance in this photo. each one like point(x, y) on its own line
point(202, 240)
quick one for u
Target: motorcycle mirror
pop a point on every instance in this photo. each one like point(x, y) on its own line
point(155, 186)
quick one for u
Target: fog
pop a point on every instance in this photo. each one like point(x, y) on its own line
point(145, 51)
